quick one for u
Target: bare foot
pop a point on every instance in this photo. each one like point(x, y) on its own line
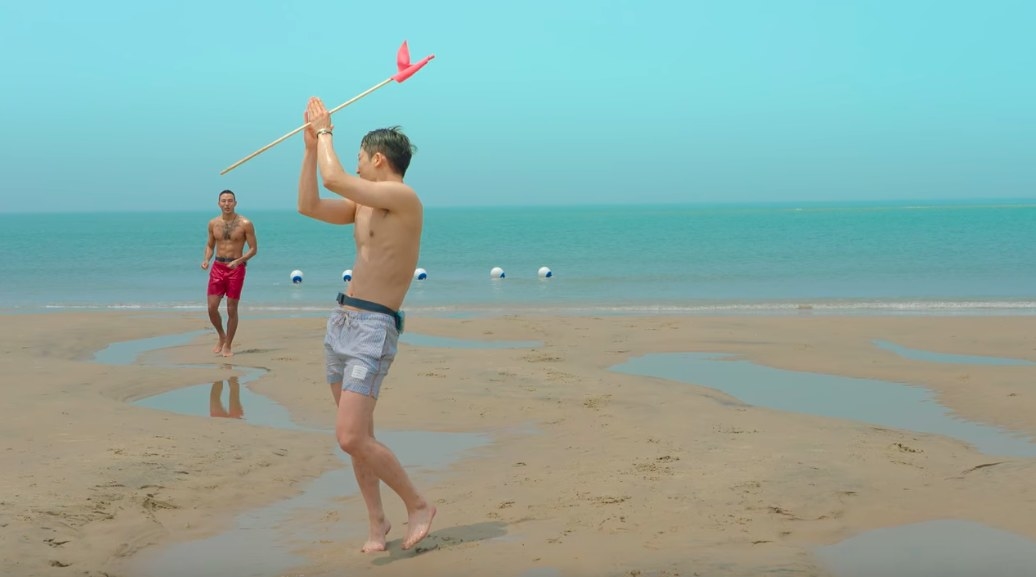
point(218, 348)
point(226, 351)
point(418, 525)
point(376, 540)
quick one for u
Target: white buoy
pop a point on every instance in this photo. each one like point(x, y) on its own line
point(296, 276)
point(545, 272)
point(420, 274)
point(347, 275)
point(497, 272)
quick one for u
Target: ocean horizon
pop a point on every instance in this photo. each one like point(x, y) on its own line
point(876, 257)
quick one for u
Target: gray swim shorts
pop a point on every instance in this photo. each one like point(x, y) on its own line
point(359, 348)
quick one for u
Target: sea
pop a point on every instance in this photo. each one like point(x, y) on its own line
point(933, 258)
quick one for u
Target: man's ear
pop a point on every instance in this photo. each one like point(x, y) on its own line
point(378, 159)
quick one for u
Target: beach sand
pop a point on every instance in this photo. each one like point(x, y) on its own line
point(590, 472)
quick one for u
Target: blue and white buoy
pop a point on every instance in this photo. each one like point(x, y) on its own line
point(497, 272)
point(545, 272)
point(296, 276)
point(347, 275)
point(420, 274)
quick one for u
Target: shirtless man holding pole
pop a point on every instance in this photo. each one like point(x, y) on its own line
point(363, 331)
point(228, 234)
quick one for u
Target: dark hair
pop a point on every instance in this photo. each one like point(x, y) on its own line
point(227, 191)
point(393, 144)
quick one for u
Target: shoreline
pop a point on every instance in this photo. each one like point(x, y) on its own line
point(857, 306)
point(630, 436)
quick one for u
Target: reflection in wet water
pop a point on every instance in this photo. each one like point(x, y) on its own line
point(197, 400)
point(216, 406)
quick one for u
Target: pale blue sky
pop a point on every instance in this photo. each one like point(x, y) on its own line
point(114, 105)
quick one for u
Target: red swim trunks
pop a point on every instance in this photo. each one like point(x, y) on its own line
point(224, 280)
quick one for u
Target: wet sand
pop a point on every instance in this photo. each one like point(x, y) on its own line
point(590, 471)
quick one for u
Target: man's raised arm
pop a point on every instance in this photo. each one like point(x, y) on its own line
point(389, 195)
point(331, 210)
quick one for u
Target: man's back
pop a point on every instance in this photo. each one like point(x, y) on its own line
point(388, 245)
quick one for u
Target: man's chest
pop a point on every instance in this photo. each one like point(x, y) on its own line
point(369, 224)
point(232, 230)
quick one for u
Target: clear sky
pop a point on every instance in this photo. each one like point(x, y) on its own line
point(118, 105)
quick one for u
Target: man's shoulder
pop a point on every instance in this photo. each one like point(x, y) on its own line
point(399, 190)
point(408, 190)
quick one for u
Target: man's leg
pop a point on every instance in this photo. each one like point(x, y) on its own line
point(235, 284)
point(217, 321)
point(216, 400)
point(236, 411)
point(228, 343)
point(370, 488)
point(354, 429)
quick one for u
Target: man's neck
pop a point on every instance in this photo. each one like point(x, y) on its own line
point(230, 216)
point(387, 176)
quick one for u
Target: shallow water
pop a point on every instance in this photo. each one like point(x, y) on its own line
point(226, 396)
point(262, 541)
point(882, 403)
point(930, 356)
point(127, 352)
point(943, 548)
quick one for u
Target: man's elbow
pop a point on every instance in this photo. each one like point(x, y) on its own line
point(336, 183)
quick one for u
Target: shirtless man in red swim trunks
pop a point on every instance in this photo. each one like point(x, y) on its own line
point(228, 234)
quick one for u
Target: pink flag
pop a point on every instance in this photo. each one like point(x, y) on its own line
point(406, 69)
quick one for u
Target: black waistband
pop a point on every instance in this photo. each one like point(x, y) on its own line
point(225, 259)
point(344, 299)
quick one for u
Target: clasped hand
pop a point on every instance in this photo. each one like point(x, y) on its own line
point(318, 118)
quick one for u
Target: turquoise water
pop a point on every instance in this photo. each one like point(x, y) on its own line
point(934, 258)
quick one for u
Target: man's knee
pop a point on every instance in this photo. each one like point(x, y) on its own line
point(352, 429)
point(352, 441)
